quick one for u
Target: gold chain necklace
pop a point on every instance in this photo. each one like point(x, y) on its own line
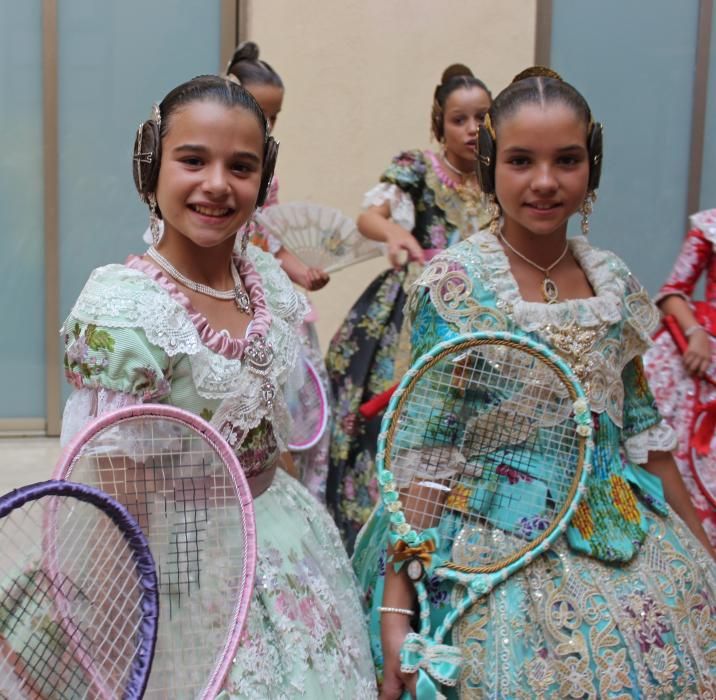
point(550, 291)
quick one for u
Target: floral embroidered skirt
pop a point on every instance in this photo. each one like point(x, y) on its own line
point(361, 364)
point(674, 390)
point(569, 626)
point(305, 635)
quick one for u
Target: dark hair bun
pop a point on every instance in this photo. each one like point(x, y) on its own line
point(455, 70)
point(537, 72)
point(245, 51)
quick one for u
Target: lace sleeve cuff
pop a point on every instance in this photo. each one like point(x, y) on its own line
point(85, 404)
point(659, 438)
point(402, 210)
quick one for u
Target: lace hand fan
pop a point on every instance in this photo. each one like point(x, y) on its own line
point(482, 458)
point(319, 236)
point(183, 484)
point(78, 596)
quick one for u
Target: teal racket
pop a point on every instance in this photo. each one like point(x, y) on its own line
point(482, 458)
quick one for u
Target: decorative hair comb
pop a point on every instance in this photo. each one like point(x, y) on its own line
point(537, 72)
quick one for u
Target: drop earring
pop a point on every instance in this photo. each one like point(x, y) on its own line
point(493, 209)
point(154, 225)
point(585, 210)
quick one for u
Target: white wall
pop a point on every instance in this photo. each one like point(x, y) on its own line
point(359, 78)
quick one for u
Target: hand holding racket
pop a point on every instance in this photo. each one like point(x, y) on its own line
point(483, 455)
point(182, 482)
point(78, 597)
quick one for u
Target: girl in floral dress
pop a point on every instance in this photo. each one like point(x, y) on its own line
point(266, 86)
point(425, 202)
point(624, 604)
point(146, 331)
point(675, 378)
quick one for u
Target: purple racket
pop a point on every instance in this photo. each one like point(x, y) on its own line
point(308, 407)
point(78, 596)
point(182, 482)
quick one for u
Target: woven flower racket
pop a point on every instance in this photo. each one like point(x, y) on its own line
point(482, 458)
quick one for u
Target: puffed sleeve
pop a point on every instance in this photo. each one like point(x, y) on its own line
point(644, 430)
point(117, 359)
point(400, 185)
point(694, 257)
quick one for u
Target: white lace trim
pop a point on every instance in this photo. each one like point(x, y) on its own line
point(402, 209)
point(118, 297)
point(607, 274)
point(658, 438)
point(705, 221)
point(85, 404)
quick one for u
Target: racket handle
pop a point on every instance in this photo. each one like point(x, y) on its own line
point(372, 407)
point(672, 325)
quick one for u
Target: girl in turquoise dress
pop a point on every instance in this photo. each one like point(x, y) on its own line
point(623, 605)
point(424, 203)
point(157, 329)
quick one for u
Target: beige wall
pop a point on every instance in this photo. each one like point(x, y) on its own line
point(359, 78)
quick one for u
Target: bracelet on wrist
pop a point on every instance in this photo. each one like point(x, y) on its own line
point(399, 611)
point(688, 332)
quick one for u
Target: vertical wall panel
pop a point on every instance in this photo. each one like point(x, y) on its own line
point(22, 285)
point(635, 64)
point(708, 175)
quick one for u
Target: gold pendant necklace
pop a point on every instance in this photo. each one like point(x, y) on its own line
point(550, 291)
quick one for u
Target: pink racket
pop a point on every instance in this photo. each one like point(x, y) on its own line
point(308, 407)
point(183, 484)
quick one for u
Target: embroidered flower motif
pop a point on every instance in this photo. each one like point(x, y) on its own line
point(613, 671)
point(576, 679)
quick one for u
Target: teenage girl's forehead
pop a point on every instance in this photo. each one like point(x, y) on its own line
point(532, 123)
point(206, 114)
point(467, 98)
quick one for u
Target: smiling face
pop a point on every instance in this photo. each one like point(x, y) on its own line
point(210, 172)
point(270, 99)
point(464, 111)
point(541, 169)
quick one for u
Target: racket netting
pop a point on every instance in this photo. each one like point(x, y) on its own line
point(308, 408)
point(175, 483)
point(482, 448)
point(71, 602)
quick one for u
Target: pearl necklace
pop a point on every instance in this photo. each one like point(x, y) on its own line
point(550, 291)
point(238, 294)
point(457, 171)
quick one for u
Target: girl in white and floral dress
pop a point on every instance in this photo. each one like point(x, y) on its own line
point(143, 332)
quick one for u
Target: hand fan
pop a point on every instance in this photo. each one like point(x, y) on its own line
point(702, 444)
point(483, 453)
point(78, 596)
point(320, 236)
point(308, 407)
point(182, 482)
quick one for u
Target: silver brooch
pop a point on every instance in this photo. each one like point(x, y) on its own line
point(259, 356)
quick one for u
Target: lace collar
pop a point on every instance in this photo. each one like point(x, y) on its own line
point(606, 306)
point(219, 342)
